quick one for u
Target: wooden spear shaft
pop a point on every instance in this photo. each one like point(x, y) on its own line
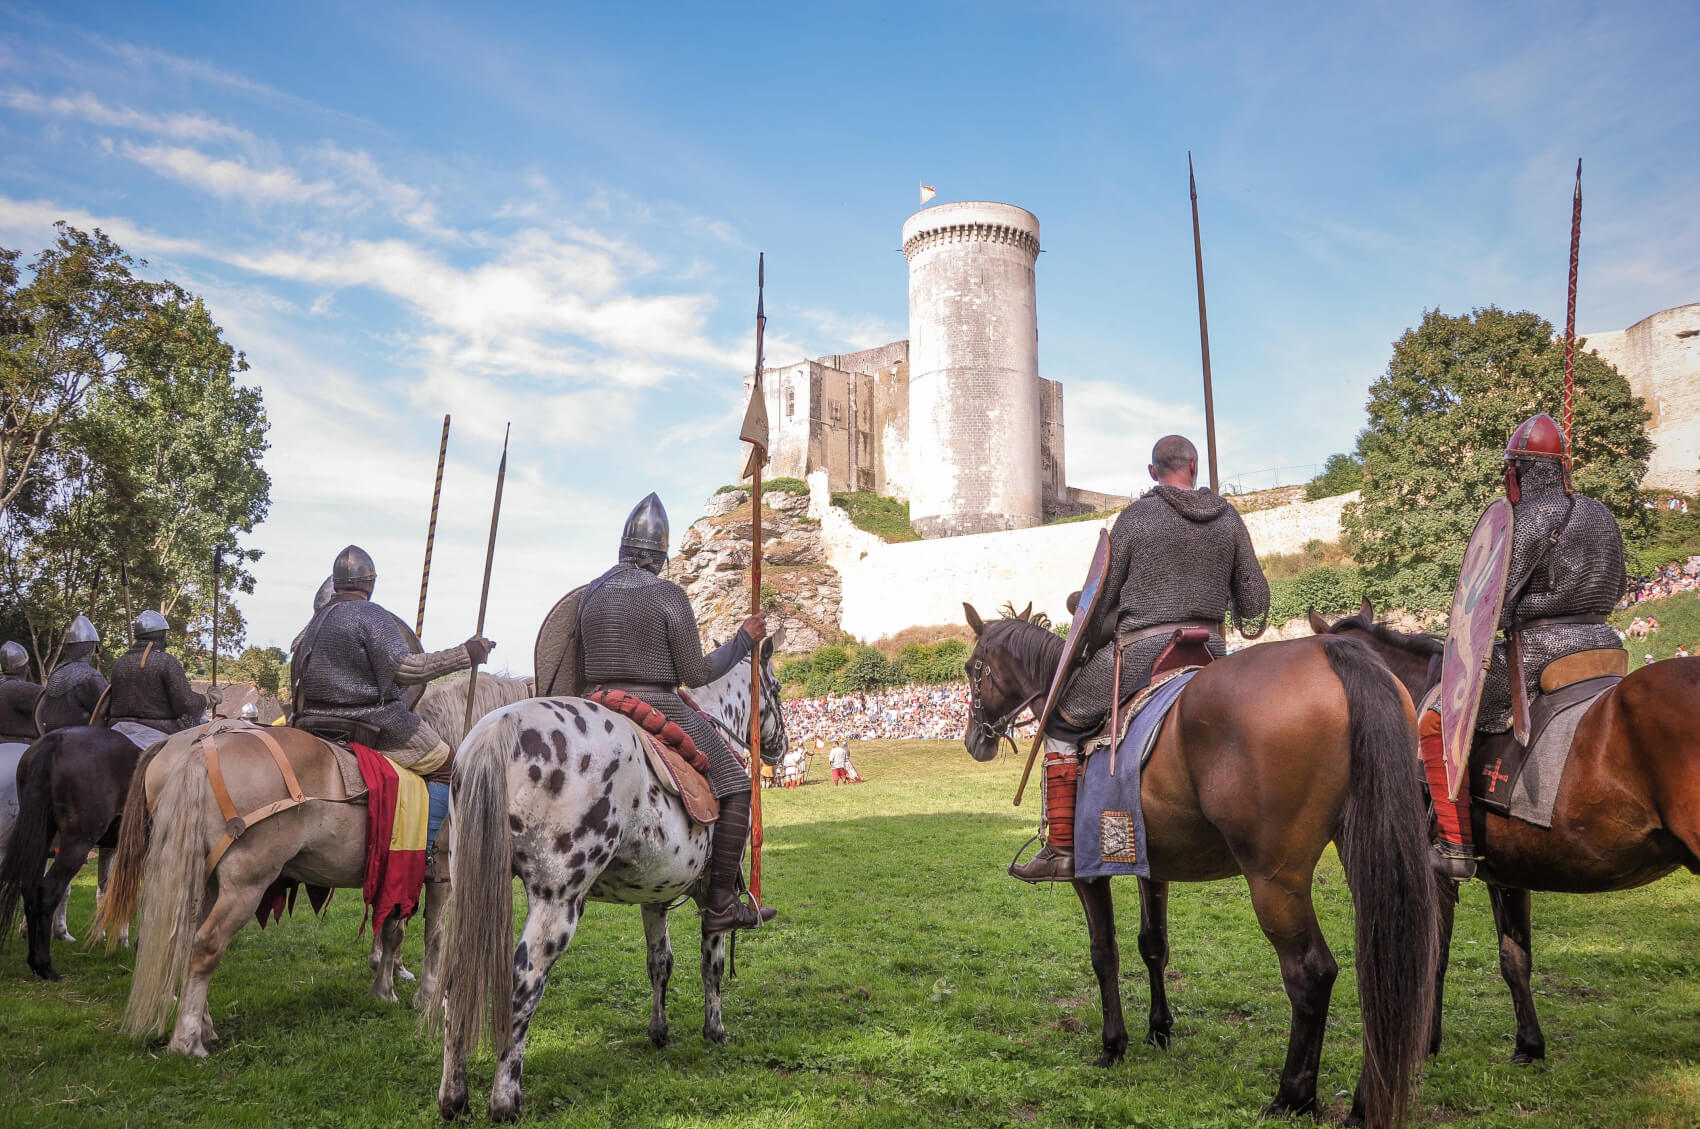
point(489, 559)
point(124, 582)
point(1570, 310)
point(1203, 329)
point(218, 573)
point(431, 529)
point(757, 456)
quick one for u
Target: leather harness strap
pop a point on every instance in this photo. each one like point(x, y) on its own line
point(235, 826)
point(1128, 638)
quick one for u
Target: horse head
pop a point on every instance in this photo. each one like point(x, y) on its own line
point(1009, 670)
point(772, 712)
point(726, 701)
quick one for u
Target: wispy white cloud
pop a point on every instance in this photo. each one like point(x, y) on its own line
point(230, 179)
point(84, 106)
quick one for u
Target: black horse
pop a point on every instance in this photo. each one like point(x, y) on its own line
point(71, 783)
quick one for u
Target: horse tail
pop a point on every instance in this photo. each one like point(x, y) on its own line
point(175, 863)
point(32, 835)
point(478, 951)
point(124, 885)
point(1384, 847)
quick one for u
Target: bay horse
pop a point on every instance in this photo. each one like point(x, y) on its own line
point(71, 785)
point(1267, 756)
point(1627, 811)
point(11, 753)
point(558, 792)
point(189, 916)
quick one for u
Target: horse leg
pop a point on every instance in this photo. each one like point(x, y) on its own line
point(386, 946)
point(713, 969)
point(237, 895)
point(1446, 894)
point(1284, 910)
point(660, 962)
point(549, 929)
point(1511, 914)
point(1154, 950)
point(44, 900)
point(431, 971)
point(107, 855)
point(1095, 899)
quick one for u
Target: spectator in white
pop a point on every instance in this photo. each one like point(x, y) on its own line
point(1681, 652)
point(1648, 661)
point(839, 759)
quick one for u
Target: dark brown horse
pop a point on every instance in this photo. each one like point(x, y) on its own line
point(1269, 754)
point(1627, 812)
point(71, 783)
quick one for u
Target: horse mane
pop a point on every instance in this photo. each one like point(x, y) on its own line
point(443, 705)
point(1417, 643)
point(1031, 646)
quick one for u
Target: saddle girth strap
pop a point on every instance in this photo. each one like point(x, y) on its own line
point(234, 825)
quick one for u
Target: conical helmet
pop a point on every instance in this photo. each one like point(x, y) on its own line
point(1538, 437)
point(353, 569)
point(81, 631)
point(13, 658)
point(250, 712)
point(149, 623)
point(646, 528)
point(323, 595)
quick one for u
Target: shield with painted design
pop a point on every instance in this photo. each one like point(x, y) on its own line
point(1476, 603)
point(1075, 645)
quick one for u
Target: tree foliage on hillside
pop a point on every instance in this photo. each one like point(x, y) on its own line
point(125, 440)
point(1341, 474)
point(1454, 390)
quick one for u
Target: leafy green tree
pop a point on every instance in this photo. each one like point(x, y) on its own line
point(867, 670)
point(1341, 474)
point(1454, 390)
point(263, 666)
point(127, 441)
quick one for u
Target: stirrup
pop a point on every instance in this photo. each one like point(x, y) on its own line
point(737, 914)
point(1046, 866)
point(1447, 863)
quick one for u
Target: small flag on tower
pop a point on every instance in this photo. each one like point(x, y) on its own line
point(754, 430)
point(928, 192)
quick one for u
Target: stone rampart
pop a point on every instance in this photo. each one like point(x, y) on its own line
point(1660, 357)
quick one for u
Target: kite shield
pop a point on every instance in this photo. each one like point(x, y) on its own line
point(1476, 605)
point(1073, 647)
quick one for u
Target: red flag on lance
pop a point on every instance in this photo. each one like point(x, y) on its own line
point(754, 432)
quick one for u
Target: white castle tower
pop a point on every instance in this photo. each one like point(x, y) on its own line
point(974, 391)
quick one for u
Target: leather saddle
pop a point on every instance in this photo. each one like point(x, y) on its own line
point(1188, 646)
point(1497, 760)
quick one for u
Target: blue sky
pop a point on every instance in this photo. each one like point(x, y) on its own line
point(550, 214)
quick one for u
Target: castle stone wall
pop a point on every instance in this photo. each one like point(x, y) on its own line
point(1660, 357)
point(974, 369)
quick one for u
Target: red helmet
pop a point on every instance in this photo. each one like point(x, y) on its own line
point(1538, 437)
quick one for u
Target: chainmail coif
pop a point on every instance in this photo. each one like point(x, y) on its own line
point(17, 708)
point(1175, 555)
point(1582, 575)
point(72, 691)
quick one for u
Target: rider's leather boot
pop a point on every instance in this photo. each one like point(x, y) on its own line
point(723, 909)
point(1452, 862)
point(1055, 863)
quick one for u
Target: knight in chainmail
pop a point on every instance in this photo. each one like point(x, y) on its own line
point(1565, 577)
point(354, 660)
point(1179, 557)
point(638, 634)
point(75, 687)
point(150, 691)
point(17, 695)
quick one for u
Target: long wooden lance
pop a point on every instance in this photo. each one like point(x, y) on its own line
point(489, 559)
point(758, 456)
point(1203, 328)
point(218, 574)
point(124, 583)
point(1570, 309)
point(431, 529)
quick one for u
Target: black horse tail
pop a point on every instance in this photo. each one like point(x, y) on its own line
point(32, 834)
point(124, 884)
point(1383, 843)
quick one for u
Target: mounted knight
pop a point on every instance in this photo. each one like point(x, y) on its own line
point(1180, 561)
point(75, 688)
point(17, 695)
point(1564, 575)
point(356, 669)
point(151, 697)
point(637, 634)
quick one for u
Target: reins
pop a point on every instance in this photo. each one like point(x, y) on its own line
point(1004, 728)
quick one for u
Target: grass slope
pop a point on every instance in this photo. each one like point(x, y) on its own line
point(909, 982)
point(1679, 623)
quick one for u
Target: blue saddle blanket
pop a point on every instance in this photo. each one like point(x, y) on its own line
point(1109, 827)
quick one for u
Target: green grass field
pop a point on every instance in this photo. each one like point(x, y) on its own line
point(909, 982)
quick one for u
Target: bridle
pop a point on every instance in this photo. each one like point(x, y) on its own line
point(1004, 728)
point(740, 740)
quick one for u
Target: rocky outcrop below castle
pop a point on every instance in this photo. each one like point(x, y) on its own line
point(800, 591)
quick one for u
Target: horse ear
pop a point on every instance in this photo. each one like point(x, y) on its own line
point(1318, 625)
point(1073, 603)
point(778, 638)
point(767, 650)
point(1367, 611)
point(974, 619)
point(1027, 614)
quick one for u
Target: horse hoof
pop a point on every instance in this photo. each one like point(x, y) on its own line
point(718, 1037)
point(505, 1113)
point(1106, 1060)
point(46, 972)
point(403, 974)
point(1280, 1107)
point(1157, 1038)
point(1527, 1058)
point(660, 1038)
point(453, 1108)
point(62, 935)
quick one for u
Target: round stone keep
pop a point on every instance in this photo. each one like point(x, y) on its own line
point(974, 394)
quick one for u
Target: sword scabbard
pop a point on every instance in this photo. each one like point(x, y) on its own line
point(1519, 689)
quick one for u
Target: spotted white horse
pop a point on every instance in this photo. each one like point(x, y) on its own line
point(559, 792)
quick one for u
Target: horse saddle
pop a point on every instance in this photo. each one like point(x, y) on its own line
point(1188, 646)
point(679, 766)
point(337, 730)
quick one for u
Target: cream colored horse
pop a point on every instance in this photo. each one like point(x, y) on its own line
point(188, 917)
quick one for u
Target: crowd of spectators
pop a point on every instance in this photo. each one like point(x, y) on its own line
point(913, 713)
point(1667, 581)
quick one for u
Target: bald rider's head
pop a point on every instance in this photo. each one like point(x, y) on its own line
point(1174, 462)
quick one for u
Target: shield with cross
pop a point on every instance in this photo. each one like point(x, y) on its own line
point(1476, 604)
